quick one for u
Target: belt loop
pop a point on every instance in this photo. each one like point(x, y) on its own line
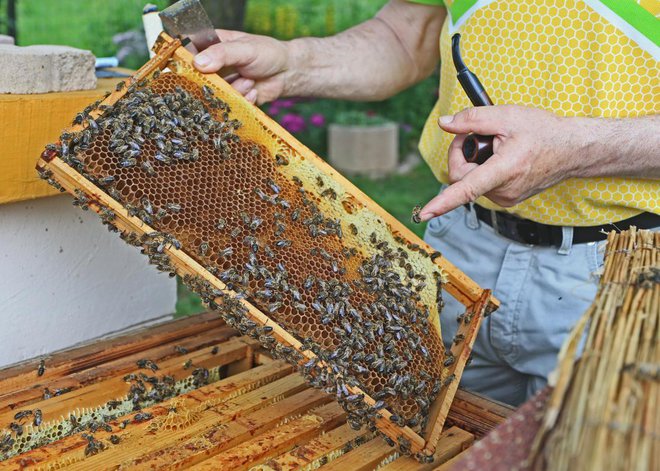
point(471, 219)
point(566, 241)
point(493, 221)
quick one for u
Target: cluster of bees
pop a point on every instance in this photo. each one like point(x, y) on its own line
point(380, 337)
point(172, 122)
point(143, 390)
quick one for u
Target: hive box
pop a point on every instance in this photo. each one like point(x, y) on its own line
point(56, 265)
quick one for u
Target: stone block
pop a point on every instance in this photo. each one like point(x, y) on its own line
point(43, 69)
point(4, 39)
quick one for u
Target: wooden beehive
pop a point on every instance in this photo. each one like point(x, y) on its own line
point(254, 413)
point(339, 239)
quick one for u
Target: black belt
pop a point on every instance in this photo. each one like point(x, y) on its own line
point(526, 231)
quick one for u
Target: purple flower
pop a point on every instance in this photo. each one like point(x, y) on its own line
point(317, 119)
point(293, 122)
point(284, 103)
point(273, 109)
point(406, 128)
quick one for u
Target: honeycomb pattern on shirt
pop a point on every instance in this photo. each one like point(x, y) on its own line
point(564, 57)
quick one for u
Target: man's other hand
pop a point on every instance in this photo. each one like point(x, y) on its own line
point(533, 150)
point(260, 63)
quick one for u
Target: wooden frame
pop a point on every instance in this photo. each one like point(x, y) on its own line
point(251, 385)
point(478, 301)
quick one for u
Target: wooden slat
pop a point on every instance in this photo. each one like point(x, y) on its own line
point(461, 352)
point(476, 414)
point(276, 441)
point(230, 432)
point(99, 393)
point(241, 393)
point(451, 443)
point(306, 453)
point(119, 367)
point(97, 352)
point(218, 428)
point(451, 463)
point(363, 458)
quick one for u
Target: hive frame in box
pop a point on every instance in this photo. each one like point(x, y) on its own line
point(478, 301)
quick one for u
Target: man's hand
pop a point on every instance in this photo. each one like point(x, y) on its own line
point(371, 61)
point(532, 151)
point(535, 149)
point(260, 62)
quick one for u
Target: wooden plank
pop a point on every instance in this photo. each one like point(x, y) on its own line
point(451, 443)
point(317, 450)
point(228, 430)
point(451, 463)
point(28, 122)
point(363, 458)
point(276, 441)
point(97, 352)
point(476, 414)
point(99, 393)
point(118, 367)
point(461, 352)
point(243, 392)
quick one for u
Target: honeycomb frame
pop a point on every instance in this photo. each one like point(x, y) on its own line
point(478, 301)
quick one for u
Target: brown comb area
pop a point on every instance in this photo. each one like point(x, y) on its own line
point(249, 222)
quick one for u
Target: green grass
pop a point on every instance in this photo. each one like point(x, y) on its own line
point(397, 194)
point(90, 24)
point(286, 19)
point(187, 302)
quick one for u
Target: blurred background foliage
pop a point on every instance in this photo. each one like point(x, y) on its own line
point(114, 28)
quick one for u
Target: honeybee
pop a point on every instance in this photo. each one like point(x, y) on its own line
point(41, 369)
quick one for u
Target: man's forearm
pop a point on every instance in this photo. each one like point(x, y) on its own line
point(627, 147)
point(371, 61)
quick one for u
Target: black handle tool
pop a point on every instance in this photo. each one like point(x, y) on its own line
point(476, 148)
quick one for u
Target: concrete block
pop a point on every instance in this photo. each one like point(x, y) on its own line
point(43, 69)
point(4, 39)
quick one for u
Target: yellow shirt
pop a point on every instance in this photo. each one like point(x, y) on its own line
point(574, 58)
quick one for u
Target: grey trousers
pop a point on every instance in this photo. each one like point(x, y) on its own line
point(543, 291)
